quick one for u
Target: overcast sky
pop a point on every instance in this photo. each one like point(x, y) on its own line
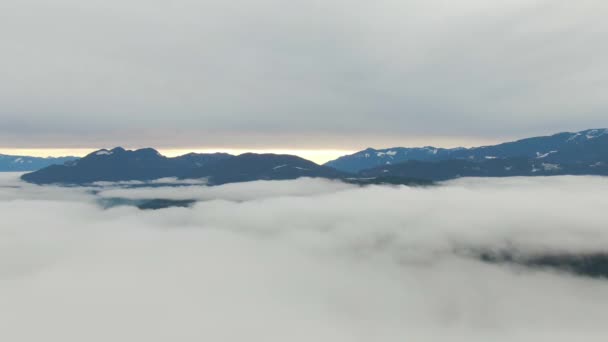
point(315, 74)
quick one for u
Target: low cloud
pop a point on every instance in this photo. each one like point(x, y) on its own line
point(301, 260)
point(232, 192)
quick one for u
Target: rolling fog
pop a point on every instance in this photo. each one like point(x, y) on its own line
point(304, 260)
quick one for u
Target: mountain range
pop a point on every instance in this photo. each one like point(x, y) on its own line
point(148, 164)
point(562, 148)
point(580, 153)
point(24, 163)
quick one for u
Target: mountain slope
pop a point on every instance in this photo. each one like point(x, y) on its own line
point(147, 164)
point(586, 145)
point(24, 163)
point(507, 167)
point(119, 164)
point(251, 166)
point(582, 153)
point(370, 158)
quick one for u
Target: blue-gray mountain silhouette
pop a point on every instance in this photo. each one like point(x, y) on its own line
point(24, 163)
point(563, 148)
point(251, 166)
point(582, 153)
point(119, 164)
point(147, 164)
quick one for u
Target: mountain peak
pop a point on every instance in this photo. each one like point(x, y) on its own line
point(148, 151)
point(118, 150)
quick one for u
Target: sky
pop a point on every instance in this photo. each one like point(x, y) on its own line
point(302, 260)
point(329, 76)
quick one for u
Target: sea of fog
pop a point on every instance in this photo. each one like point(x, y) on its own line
point(304, 260)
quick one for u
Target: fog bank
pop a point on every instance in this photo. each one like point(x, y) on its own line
point(304, 260)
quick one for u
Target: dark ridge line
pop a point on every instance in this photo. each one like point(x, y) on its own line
point(587, 264)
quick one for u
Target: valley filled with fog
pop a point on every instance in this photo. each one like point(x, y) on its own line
point(303, 260)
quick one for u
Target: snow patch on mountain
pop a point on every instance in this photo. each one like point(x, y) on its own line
point(103, 153)
point(588, 134)
point(544, 155)
point(551, 167)
point(431, 150)
point(594, 133)
point(574, 136)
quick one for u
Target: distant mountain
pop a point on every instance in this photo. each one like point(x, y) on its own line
point(562, 148)
point(371, 158)
point(24, 163)
point(582, 153)
point(147, 164)
point(508, 167)
point(119, 164)
point(251, 166)
point(191, 160)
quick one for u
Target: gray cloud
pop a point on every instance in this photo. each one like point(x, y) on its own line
point(341, 264)
point(232, 192)
point(308, 74)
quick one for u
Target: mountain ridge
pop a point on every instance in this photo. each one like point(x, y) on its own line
point(119, 164)
point(147, 164)
point(17, 163)
point(528, 147)
point(578, 153)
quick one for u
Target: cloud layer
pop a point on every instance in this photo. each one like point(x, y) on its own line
point(314, 74)
point(301, 260)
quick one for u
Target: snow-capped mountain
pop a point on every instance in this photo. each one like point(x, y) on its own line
point(588, 145)
point(24, 163)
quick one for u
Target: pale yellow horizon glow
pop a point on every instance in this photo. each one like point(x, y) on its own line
point(317, 156)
